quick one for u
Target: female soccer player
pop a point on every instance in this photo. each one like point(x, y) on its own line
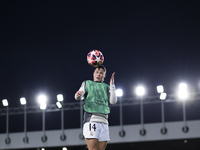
point(97, 96)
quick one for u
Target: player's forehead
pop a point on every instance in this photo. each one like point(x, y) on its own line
point(99, 70)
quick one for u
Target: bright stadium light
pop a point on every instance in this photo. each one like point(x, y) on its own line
point(160, 89)
point(58, 104)
point(119, 92)
point(183, 91)
point(42, 148)
point(64, 148)
point(163, 96)
point(60, 97)
point(140, 91)
point(42, 98)
point(5, 102)
point(183, 86)
point(43, 106)
point(23, 101)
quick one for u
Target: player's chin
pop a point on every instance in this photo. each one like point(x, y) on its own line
point(97, 80)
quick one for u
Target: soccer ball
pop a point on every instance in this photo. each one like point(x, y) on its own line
point(95, 58)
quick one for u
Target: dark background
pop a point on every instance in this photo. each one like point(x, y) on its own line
point(44, 45)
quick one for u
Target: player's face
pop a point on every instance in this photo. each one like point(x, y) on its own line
point(99, 74)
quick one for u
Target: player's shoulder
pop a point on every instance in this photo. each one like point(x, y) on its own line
point(89, 81)
point(84, 81)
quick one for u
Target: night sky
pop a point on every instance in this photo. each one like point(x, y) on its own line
point(44, 45)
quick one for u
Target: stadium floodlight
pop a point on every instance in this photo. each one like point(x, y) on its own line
point(160, 89)
point(60, 97)
point(5, 102)
point(64, 148)
point(119, 92)
point(42, 148)
point(183, 92)
point(140, 91)
point(163, 96)
point(42, 98)
point(23, 101)
point(43, 106)
point(58, 104)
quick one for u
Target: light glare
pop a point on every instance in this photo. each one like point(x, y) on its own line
point(119, 92)
point(183, 91)
point(42, 99)
point(5, 102)
point(23, 101)
point(140, 91)
point(60, 97)
point(182, 86)
point(183, 95)
point(64, 148)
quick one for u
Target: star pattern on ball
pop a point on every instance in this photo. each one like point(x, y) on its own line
point(90, 60)
point(93, 53)
point(98, 59)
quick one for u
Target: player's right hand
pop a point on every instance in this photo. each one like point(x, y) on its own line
point(78, 93)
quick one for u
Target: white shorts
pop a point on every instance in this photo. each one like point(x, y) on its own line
point(96, 130)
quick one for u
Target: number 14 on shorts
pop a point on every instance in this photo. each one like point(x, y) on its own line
point(92, 127)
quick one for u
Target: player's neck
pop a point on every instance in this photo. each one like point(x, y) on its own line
point(98, 81)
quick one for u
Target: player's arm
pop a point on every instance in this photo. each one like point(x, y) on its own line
point(113, 96)
point(80, 92)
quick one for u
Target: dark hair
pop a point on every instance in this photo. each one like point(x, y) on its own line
point(101, 66)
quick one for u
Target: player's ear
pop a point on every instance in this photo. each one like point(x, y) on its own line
point(104, 75)
point(93, 73)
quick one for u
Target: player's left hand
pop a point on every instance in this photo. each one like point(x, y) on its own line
point(112, 78)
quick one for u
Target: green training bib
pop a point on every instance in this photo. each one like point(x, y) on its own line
point(97, 97)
